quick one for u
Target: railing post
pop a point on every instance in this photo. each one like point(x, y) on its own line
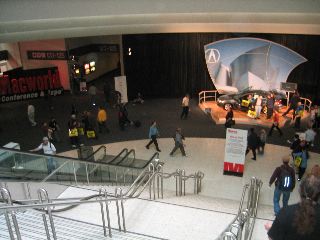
point(6, 196)
point(122, 212)
point(204, 96)
point(74, 173)
point(43, 196)
point(118, 210)
point(183, 174)
point(87, 174)
point(103, 192)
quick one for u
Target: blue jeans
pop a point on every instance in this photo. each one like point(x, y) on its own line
point(276, 199)
point(51, 165)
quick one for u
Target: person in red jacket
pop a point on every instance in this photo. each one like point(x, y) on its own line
point(275, 124)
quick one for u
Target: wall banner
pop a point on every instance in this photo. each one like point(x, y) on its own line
point(235, 152)
point(19, 85)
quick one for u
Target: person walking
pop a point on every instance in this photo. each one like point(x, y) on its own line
point(178, 143)
point(298, 114)
point(302, 153)
point(262, 141)
point(102, 120)
point(31, 113)
point(284, 179)
point(48, 148)
point(270, 105)
point(300, 221)
point(258, 106)
point(185, 107)
point(253, 143)
point(229, 118)
point(92, 93)
point(275, 124)
point(153, 134)
point(293, 103)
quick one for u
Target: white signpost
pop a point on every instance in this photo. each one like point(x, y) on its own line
point(120, 85)
point(235, 152)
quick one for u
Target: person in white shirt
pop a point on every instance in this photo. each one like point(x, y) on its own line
point(258, 106)
point(310, 135)
point(48, 148)
point(31, 111)
point(185, 107)
point(93, 92)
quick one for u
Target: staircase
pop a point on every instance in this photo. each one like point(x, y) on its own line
point(32, 228)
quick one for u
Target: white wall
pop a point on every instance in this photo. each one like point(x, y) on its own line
point(49, 45)
point(14, 60)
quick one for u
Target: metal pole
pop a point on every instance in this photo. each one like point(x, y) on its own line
point(87, 174)
point(184, 182)
point(45, 223)
point(74, 173)
point(6, 196)
point(46, 197)
point(122, 212)
point(102, 215)
point(118, 211)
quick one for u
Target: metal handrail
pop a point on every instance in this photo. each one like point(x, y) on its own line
point(119, 154)
point(245, 218)
point(203, 95)
point(45, 202)
point(305, 105)
point(127, 155)
point(91, 155)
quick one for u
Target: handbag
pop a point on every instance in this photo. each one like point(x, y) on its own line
point(252, 114)
point(297, 161)
point(91, 134)
point(73, 132)
point(80, 131)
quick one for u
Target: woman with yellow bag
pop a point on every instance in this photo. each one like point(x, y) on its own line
point(73, 131)
point(301, 157)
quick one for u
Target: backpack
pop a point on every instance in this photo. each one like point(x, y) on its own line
point(285, 181)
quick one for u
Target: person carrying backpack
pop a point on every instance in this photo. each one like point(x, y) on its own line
point(284, 178)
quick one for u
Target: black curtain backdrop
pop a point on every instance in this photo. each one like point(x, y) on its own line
point(170, 65)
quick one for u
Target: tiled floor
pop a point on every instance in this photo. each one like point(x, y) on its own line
point(198, 215)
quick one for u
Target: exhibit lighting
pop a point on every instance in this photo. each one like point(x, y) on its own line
point(86, 66)
point(77, 71)
point(92, 64)
point(129, 52)
point(92, 69)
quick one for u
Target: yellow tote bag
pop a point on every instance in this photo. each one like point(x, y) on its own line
point(80, 131)
point(91, 134)
point(73, 132)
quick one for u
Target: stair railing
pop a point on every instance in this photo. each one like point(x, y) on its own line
point(180, 179)
point(43, 197)
point(242, 226)
point(6, 196)
point(45, 203)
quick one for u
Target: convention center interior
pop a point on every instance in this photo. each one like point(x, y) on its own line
point(160, 119)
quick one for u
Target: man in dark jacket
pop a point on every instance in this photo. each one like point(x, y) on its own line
point(284, 178)
point(293, 104)
point(253, 143)
point(270, 105)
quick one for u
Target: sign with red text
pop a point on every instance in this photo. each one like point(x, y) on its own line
point(19, 85)
point(235, 152)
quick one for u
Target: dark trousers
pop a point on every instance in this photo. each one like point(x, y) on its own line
point(269, 112)
point(154, 141)
point(74, 140)
point(176, 146)
point(277, 127)
point(253, 149)
point(184, 114)
point(289, 109)
point(103, 127)
point(301, 172)
point(297, 122)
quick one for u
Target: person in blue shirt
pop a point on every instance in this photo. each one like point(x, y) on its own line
point(153, 134)
point(298, 114)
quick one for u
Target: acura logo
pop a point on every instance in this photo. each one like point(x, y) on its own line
point(212, 55)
